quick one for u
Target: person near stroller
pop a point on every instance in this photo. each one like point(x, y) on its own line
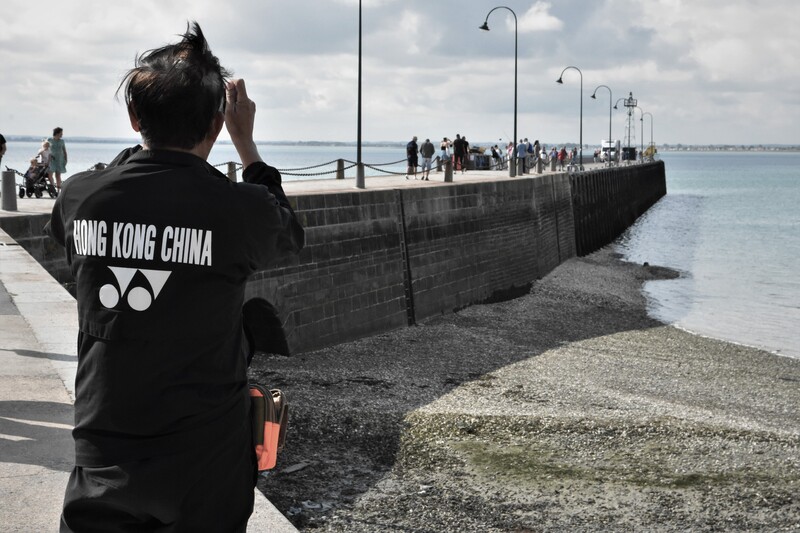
point(44, 155)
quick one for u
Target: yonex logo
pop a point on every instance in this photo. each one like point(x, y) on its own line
point(138, 298)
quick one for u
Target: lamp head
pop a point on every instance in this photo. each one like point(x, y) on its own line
point(559, 80)
point(593, 96)
point(485, 26)
point(615, 106)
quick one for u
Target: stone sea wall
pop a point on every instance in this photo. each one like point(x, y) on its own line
point(377, 260)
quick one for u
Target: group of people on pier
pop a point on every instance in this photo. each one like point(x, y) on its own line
point(458, 150)
point(458, 147)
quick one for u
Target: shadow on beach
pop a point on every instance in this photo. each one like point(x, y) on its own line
point(370, 418)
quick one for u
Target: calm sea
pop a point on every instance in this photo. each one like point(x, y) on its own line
point(85, 154)
point(730, 224)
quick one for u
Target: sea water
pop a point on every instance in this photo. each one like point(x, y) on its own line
point(293, 160)
point(730, 223)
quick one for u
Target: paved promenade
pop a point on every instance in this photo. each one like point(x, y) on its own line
point(38, 329)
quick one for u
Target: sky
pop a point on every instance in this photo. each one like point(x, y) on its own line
point(702, 71)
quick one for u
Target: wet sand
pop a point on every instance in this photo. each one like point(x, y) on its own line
point(567, 409)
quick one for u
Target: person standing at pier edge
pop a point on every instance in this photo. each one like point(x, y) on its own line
point(426, 150)
point(161, 245)
point(495, 158)
point(459, 151)
point(58, 156)
point(522, 153)
point(2, 147)
point(444, 151)
point(411, 156)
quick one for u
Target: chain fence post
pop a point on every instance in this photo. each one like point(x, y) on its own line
point(9, 190)
point(448, 171)
point(360, 176)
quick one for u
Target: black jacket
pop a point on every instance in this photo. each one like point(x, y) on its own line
point(161, 245)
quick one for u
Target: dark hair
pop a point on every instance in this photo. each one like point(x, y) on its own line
point(56, 131)
point(175, 91)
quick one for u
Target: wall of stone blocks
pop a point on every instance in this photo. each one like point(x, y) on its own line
point(608, 201)
point(377, 260)
point(348, 280)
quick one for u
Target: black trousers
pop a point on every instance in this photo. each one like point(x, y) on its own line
point(206, 488)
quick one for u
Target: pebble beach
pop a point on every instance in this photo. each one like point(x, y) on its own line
point(567, 409)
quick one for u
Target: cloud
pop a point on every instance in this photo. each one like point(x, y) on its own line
point(538, 18)
point(707, 70)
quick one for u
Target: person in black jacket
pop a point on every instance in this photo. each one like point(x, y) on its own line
point(161, 245)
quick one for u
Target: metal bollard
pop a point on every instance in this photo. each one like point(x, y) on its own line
point(232, 171)
point(340, 169)
point(448, 171)
point(520, 166)
point(438, 164)
point(9, 191)
point(539, 165)
point(553, 161)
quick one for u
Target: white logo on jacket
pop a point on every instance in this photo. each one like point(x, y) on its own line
point(139, 298)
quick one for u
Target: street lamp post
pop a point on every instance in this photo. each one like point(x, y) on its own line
point(561, 81)
point(610, 98)
point(512, 168)
point(641, 130)
point(651, 125)
point(359, 165)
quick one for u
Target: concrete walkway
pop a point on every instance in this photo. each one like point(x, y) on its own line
point(38, 331)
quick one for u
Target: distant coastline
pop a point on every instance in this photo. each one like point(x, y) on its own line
point(667, 147)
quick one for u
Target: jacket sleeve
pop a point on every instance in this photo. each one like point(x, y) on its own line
point(282, 226)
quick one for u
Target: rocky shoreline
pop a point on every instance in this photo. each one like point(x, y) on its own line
point(567, 409)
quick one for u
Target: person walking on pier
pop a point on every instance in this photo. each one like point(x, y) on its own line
point(426, 151)
point(161, 245)
point(562, 157)
point(2, 147)
point(411, 157)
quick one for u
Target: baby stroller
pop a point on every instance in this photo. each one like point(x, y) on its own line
point(35, 183)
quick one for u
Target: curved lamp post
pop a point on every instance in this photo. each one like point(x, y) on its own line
point(512, 168)
point(641, 130)
point(610, 97)
point(561, 81)
point(359, 165)
point(651, 125)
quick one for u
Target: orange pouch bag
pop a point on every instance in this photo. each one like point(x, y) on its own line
point(270, 415)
